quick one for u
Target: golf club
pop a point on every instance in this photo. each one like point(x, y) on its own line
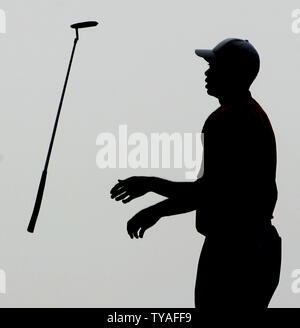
point(40, 192)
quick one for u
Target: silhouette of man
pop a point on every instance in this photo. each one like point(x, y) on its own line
point(235, 193)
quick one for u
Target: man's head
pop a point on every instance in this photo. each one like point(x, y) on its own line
point(234, 64)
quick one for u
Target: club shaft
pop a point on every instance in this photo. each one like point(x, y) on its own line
point(39, 196)
point(60, 106)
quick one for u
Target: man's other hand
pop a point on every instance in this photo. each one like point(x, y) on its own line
point(140, 222)
point(130, 188)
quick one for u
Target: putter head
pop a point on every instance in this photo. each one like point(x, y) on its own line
point(84, 24)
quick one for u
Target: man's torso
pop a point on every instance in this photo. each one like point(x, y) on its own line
point(239, 153)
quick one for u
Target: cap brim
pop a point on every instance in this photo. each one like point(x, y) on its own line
point(205, 53)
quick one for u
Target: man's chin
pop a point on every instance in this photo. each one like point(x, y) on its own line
point(211, 92)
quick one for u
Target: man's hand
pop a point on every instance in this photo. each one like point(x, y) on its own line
point(141, 221)
point(130, 188)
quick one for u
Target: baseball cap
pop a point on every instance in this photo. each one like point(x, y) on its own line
point(230, 47)
point(234, 52)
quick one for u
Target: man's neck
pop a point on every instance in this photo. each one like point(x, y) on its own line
point(234, 97)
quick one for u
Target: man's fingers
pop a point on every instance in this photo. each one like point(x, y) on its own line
point(130, 234)
point(135, 233)
point(121, 196)
point(116, 187)
point(129, 230)
point(142, 231)
point(128, 199)
point(119, 185)
point(118, 192)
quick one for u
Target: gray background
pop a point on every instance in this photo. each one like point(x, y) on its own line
point(137, 68)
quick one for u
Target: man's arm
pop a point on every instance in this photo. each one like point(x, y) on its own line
point(170, 189)
point(147, 217)
point(175, 205)
point(136, 186)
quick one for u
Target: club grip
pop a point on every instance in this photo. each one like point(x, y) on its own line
point(84, 24)
point(38, 202)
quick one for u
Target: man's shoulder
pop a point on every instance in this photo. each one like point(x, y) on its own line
point(258, 116)
point(214, 117)
point(243, 114)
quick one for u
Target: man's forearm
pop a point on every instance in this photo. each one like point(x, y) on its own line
point(170, 189)
point(173, 206)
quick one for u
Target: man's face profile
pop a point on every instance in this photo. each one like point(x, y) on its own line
point(222, 78)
